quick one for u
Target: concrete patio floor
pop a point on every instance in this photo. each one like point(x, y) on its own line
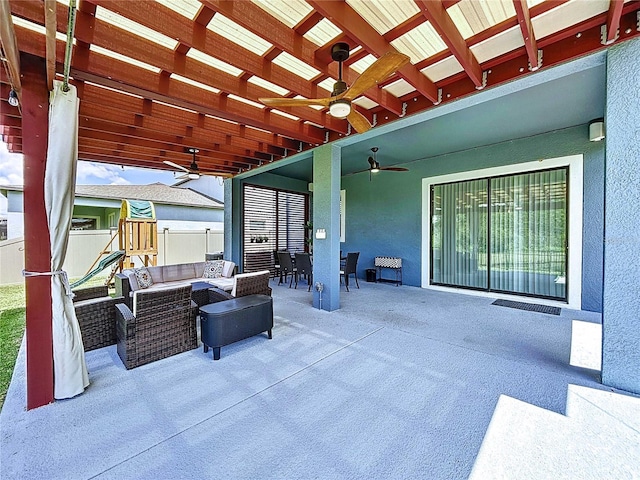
point(399, 383)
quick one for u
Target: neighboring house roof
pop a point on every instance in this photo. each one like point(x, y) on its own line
point(155, 192)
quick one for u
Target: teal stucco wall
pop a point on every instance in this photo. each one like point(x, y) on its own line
point(384, 215)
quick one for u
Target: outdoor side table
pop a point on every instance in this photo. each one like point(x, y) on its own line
point(394, 263)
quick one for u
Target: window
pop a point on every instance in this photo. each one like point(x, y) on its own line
point(85, 222)
point(504, 233)
point(272, 220)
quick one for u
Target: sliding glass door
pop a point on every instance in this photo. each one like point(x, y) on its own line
point(506, 234)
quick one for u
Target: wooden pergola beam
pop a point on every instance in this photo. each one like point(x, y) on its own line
point(252, 17)
point(10, 47)
point(435, 12)
point(528, 35)
point(613, 19)
point(51, 25)
point(348, 20)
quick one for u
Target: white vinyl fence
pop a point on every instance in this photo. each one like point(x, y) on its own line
point(174, 246)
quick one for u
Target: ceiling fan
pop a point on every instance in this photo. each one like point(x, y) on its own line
point(339, 102)
point(374, 165)
point(193, 172)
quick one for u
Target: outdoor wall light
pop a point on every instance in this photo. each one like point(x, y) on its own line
point(340, 108)
point(13, 98)
point(596, 130)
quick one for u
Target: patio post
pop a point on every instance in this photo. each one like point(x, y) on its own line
point(37, 251)
point(326, 216)
point(621, 304)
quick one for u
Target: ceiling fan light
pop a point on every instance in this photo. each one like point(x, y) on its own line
point(375, 167)
point(340, 108)
point(193, 176)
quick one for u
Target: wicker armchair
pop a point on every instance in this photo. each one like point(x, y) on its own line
point(96, 314)
point(162, 324)
point(244, 284)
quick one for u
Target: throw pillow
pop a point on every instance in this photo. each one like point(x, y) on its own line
point(213, 269)
point(143, 276)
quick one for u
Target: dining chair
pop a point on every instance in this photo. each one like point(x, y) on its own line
point(350, 267)
point(287, 268)
point(303, 267)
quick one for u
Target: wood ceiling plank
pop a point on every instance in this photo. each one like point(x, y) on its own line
point(530, 44)
point(348, 20)
point(435, 12)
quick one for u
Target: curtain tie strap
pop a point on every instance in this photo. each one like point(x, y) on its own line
point(62, 273)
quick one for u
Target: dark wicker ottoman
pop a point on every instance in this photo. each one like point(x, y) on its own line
point(230, 321)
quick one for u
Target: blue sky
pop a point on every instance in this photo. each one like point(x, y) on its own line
point(89, 173)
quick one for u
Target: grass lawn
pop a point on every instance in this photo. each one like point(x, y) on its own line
point(11, 332)
point(12, 322)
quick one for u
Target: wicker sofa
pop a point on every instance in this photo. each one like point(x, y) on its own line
point(161, 324)
point(171, 276)
point(96, 313)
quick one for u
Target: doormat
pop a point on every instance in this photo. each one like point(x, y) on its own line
point(531, 307)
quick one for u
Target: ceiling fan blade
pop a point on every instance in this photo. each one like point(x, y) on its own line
point(358, 121)
point(395, 169)
point(377, 71)
point(296, 102)
point(175, 165)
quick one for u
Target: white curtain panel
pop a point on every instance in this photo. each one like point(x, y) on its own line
point(70, 369)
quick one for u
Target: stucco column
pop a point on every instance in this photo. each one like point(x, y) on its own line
point(232, 219)
point(326, 216)
point(621, 289)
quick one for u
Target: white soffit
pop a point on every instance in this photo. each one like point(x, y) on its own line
point(364, 63)
point(420, 43)
point(261, 82)
point(365, 103)
point(322, 32)
point(214, 62)
point(135, 28)
point(567, 14)
point(123, 58)
point(399, 88)
point(442, 69)
point(296, 66)
point(498, 44)
point(383, 15)
point(194, 83)
point(238, 34)
point(289, 12)
point(186, 8)
point(475, 16)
